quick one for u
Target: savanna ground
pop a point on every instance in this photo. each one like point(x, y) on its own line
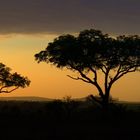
point(68, 120)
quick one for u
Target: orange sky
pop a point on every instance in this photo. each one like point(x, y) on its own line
point(26, 26)
point(17, 52)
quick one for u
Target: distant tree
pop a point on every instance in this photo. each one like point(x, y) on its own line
point(92, 52)
point(11, 81)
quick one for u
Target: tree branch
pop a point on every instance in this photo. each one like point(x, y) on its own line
point(125, 72)
point(103, 69)
point(78, 78)
point(106, 80)
point(88, 80)
point(6, 91)
point(84, 76)
point(121, 73)
point(95, 73)
point(95, 83)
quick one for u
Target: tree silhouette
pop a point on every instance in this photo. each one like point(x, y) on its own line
point(11, 81)
point(92, 52)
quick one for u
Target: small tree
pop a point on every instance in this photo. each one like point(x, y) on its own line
point(92, 51)
point(11, 81)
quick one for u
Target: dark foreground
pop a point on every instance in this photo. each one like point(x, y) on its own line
point(71, 120)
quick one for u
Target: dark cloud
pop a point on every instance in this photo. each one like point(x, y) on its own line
point(59, 16)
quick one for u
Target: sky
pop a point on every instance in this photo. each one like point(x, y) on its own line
point(26, 27)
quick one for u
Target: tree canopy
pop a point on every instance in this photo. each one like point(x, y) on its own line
point(92, 51)
point(11, 81)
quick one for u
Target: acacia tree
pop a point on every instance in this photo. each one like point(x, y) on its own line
point(92, 51)
point(11, 81)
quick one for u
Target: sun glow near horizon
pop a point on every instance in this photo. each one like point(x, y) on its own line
point(17, 52)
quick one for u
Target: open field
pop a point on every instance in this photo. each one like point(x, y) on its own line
point(68, 120)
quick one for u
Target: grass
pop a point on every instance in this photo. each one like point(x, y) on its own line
point(68, 120)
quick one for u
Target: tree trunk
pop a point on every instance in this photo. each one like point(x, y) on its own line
point(105, 103)
point(105, 100)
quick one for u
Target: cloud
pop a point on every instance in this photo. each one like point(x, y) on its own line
point(65, 16)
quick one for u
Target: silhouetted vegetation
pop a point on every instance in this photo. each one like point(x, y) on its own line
point(68, 119)
point(91, 52)
point(11, 81)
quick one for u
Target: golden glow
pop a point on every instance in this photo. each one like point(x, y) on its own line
point(17, 52)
